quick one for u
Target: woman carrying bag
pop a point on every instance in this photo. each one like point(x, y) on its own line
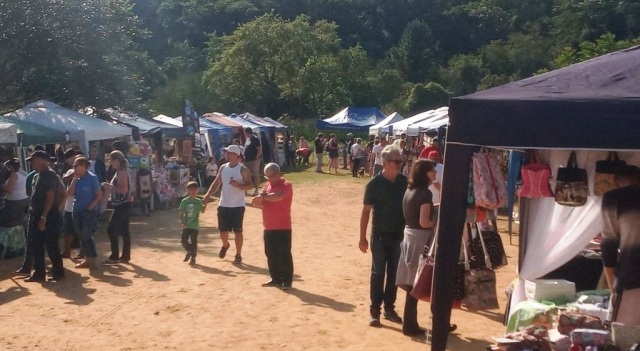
point(417, 207)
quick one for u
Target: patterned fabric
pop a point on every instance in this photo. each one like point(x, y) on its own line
point(605, 169)
point(568, 321)
point(489, 187)
point(572, 186)
point(12, 242)
point(495, 249)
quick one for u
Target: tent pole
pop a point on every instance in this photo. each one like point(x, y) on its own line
point(455, 187)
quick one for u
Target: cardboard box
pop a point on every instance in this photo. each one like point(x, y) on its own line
point(549, 289)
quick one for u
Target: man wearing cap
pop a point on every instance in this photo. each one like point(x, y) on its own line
point(234, 179)
point(252, 157)
point(44, 217)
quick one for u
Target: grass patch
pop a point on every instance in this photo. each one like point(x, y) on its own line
point(308, 175)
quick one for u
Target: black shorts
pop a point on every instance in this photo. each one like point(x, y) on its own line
point(230, 219)
point(67, 224)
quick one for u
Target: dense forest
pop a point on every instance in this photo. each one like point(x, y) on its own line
point(295, 58)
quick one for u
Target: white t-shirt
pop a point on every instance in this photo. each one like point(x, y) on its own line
point(377, 151)
point(20, 190)
point(434, 191)
point(231, 196)
point(355, 150)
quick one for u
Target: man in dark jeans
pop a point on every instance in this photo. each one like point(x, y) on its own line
point(44, 218)
point(384, 194)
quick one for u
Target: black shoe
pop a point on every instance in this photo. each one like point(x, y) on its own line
point(374, 320)
point(453, 328)
point(22, 271)
point(36, 278)
point(193, 261)
point(286, 287)
point(124, 259)
point(392, 316)
point(416, 332)
point(238, 259)
point(270, 283)
point(223, 250)
point(187, 257)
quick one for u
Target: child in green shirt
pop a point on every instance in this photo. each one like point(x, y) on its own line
point(190, 209)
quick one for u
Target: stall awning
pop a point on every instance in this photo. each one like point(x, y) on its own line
point(146, 126)
point(31, 133)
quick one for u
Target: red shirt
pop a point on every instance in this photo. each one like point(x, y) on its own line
point(425, 152)
point(277, 215)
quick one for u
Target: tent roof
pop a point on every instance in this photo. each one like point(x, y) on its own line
point(221, 119)
point(245, 123)
point(428, 124)
point(32, 133)
point(256, 120)
point(146, 126)
point(275, 123)
point(401, 126)
point(209, 124)
point(168, 120)
point(357, 119)
point(8, 133)
point(392, 118)
point(593, 104)
point(54, 116)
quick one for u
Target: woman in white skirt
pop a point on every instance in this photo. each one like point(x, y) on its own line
point(417, 206)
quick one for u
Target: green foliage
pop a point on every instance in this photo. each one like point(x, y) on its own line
point(606, 43)
point(426, 97)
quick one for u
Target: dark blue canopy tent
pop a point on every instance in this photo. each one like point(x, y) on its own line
point(354, 119)
point(590, 105)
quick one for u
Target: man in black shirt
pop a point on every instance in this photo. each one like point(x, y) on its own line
point(47, 198)
point(252, 157)
point(384, 194)
point(319, 145)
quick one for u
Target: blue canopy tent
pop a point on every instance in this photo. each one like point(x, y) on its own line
point(261, 129)
point(354, 119)
point(219, 135)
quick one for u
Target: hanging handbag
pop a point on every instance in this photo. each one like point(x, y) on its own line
point(535, 178)
point(605, 170)
point(572, 185)
point(490, 190)
point(494, 247)
point(424, 277)
point(480, 284)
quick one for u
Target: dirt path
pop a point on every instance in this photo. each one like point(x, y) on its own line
point(160, 303)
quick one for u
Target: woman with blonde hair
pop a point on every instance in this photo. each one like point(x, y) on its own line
point(121, 202)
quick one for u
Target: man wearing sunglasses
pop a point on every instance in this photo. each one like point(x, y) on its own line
point(384, 194)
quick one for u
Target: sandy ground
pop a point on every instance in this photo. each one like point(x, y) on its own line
point(160, 303)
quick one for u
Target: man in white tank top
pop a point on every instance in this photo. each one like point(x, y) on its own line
point(234, 179)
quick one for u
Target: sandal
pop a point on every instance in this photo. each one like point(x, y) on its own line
point(223, 250)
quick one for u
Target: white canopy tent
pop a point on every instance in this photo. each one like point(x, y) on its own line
point(383, 127)
point(426, 125)
point(81, 127)
point(401, 127)
point(8, 133)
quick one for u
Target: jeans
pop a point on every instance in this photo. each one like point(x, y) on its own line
point(277, 247)
point(319, 162)
point(46, 240)
point(385, 252)
point(85, 225)
point(355, 167)
point(189, 234)
point(119, 225)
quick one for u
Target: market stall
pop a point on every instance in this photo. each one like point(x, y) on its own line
point(383, 127)
point(353, 119)
point(81, 128)
point(8, 133)
point(591, 107)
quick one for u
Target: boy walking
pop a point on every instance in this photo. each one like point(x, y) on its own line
point(190, 209)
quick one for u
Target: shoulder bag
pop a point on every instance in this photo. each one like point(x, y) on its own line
point(535, 178)
point(480, 284)
point(605, 170)
point(572, 185)
point(490, 190)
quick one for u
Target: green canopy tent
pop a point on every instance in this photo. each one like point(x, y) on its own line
point(31, 133)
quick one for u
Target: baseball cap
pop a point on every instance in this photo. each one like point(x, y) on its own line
point(39, 154)
point(232, 148)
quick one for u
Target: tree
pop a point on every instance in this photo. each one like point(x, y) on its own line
point(426, 97)
point(587, 50)
point(417, 54)
point(74, 52)
point(268, 59)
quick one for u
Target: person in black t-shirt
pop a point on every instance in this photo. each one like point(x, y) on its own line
point(252, 157)
point(319, 145)
point(384, 194)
